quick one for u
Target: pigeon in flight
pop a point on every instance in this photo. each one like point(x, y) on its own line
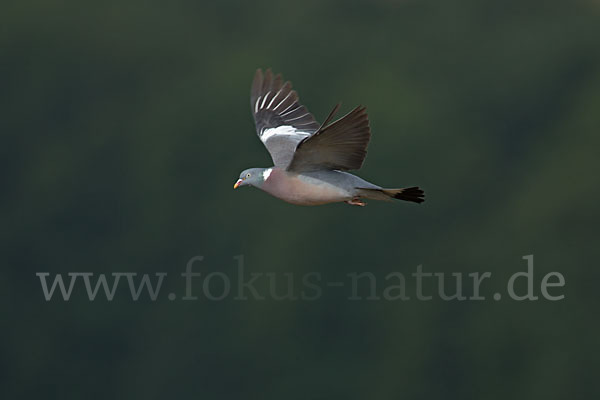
point(311, 159)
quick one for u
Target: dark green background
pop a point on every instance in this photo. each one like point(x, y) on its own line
point(125, 123)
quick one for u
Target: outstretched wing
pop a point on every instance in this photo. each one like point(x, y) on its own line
point(281, 121)
point(342, 145)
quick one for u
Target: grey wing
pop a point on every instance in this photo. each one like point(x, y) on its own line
point(281, 121)
point(342, 145)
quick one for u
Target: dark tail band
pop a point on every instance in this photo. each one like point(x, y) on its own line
point(414, 194)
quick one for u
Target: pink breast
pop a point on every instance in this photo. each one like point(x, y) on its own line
point(294, 190)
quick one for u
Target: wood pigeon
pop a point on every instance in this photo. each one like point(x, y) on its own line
point(311, 159)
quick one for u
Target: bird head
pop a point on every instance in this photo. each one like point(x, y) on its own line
point(253, 177)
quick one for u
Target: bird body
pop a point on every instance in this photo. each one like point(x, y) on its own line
point(311, 159)
point(313, 188)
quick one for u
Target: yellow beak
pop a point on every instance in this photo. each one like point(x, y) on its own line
point(238, 183)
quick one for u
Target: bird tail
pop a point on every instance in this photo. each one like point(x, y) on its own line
point(414, 194)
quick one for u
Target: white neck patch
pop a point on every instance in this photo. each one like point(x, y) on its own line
point(266, 173)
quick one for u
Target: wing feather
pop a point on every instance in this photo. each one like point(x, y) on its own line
point(281, 121)
point(342, 145)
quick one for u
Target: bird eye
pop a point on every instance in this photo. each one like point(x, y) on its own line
point(248, 175)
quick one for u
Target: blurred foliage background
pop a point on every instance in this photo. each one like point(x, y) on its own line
point(125, 124)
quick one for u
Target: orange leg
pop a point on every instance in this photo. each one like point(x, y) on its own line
point(356, 202)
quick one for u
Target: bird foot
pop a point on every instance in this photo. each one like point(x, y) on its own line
point(356, 202)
